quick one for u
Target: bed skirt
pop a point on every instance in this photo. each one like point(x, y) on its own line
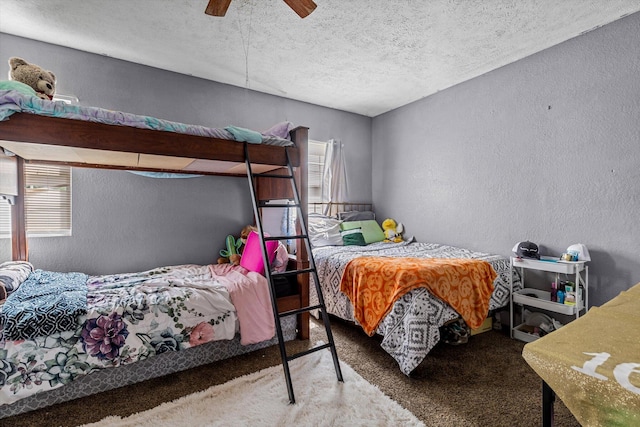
point(160, 365)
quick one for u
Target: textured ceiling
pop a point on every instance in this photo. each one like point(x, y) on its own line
point(362, 56)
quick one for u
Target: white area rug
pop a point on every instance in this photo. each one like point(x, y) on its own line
point(261, 399)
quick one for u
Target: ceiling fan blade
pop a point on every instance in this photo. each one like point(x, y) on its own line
point(217, 7)
point(302, 7)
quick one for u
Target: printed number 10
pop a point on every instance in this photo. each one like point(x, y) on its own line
point(621, 372)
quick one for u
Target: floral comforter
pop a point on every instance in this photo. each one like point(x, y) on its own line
point(131, 317)
point(412, 327)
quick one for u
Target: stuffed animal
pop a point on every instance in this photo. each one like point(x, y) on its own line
point(392, 231)
point(42, 81)
point(245, 233)
point(232, 254)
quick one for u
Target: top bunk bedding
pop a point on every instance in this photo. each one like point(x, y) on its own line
point(37, 129)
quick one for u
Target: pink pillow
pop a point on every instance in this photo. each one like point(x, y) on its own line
point(252, 253)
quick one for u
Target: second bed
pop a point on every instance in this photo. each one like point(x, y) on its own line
point(411, 327)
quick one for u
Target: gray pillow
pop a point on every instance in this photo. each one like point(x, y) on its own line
point(356, 215)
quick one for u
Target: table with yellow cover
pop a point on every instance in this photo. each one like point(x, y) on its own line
point(593, 363)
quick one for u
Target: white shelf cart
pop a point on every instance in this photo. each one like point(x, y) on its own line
point(531, 297)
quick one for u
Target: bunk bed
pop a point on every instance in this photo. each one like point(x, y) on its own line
point(412, 324)
point(35, 130)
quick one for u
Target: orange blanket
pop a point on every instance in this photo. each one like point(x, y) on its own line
point(373, 284)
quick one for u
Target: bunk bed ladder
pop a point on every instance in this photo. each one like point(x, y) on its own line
point(262, 204)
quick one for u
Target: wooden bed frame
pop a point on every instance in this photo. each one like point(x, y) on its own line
point(78, 143)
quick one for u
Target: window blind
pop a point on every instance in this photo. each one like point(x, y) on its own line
point(315, 167)
point(5, 219)
point(47, 202)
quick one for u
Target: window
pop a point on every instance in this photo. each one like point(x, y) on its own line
point(47, 202)
point(316, 166)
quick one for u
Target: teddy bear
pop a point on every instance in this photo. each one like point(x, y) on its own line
point(392, 231)
point(232, 254)
point(41, 80)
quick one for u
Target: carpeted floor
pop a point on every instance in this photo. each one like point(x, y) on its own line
point(482, 383)
point(257, 400)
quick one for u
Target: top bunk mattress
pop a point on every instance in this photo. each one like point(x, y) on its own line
point(54, 131)
point(12, 101)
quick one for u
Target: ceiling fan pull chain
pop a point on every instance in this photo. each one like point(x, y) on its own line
point(246, 44)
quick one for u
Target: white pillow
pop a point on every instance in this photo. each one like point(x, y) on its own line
point(324, 231)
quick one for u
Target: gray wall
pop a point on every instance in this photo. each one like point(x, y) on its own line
point(123, 222)
point(545, 149)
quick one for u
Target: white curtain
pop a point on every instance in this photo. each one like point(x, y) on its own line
point(334, 175)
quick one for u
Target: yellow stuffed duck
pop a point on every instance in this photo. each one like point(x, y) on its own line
point(392, 231)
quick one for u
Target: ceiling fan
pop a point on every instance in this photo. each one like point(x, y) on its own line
point(302, 7)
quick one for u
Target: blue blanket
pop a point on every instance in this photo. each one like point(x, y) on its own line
point(46, 303)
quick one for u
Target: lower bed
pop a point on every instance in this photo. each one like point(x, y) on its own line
point(412, 327)
point(134, 327)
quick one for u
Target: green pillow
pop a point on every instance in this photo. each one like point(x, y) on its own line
point(353, 237)
point(370, 229)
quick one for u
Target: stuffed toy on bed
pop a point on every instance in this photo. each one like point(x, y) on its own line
point(41, 80)
point(392, 231)
point(232, 254)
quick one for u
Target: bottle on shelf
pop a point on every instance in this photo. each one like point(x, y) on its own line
point(569, 294)
point(554, 292)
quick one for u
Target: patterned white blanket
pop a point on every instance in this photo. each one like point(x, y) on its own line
point(411, 329)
